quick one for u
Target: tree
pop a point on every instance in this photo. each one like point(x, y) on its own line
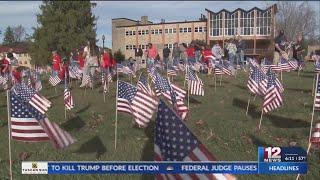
point(8, 36)
point(295, 17)
point(63, 26)
point(119, 56)
point(19, 33)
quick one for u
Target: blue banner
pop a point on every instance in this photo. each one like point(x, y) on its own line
point(176, 168)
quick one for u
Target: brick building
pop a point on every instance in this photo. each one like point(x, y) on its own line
point(255, 26)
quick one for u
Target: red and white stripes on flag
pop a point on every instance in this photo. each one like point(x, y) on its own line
point(272, 99)
point(27, 129)
point(317, 94)
point(54, 80)
point(68, 100)
point(28, 124)
point(315, 137)
point(59, 137)
point(293, 64)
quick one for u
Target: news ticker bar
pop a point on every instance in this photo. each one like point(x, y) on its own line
point(164, 167)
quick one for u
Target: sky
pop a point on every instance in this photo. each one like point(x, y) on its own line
point(13, 13)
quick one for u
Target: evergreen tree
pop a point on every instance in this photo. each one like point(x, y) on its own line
point(63, 26)
point(8, 36)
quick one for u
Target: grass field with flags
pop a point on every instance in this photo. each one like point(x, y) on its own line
point(218, 119)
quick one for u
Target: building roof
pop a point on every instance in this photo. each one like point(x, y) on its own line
point(240, 9)
point(175, 22)
point(18, 49)
point(137, 21)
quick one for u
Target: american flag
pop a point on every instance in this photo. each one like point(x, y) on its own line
point(87, 80)
point(31, 97)
point(171, 71)
point(136, 102)
point(269, 64)
point(284, 65)
point(68, 100)
point(4, 79)
point(173, 93)
point(194, 82)
point(124, 69)
point(226, 68)
point(54, 80)
point(315, 137)
point(144, 86)
point(218, 69)
point(30, 80)
point(317, 67)
point(293, 64)
point(75, 72)
point(106, 82)
point(173, 141)
point(257, 82)
point(317, 94)
point(28, 124)
point(272, 98)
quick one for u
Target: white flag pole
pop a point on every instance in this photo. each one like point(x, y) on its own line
point(9, 132)
point(116, 122)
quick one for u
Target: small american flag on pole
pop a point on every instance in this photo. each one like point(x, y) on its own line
point(171, 71)
point(135, 102)
point(54, 80)
point(31, 97)
point(68, 100)
point(257, 82)
point(315, 137)
point(273, 98)
point(144, 86)
point(293, 64)
point(284, 65)
point(28, 124)
point(173, 93)
point(317, 94)
point(173, 141)
point(194, 82)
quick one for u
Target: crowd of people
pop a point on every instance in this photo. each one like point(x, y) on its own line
point(234, 52)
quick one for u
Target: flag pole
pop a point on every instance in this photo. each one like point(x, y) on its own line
point(261, 119)
point(215, 82)
point(313, 84)
point(9, 132)
point(116, 122)
point(249, 99)
point(312, 116)
point(187, 69)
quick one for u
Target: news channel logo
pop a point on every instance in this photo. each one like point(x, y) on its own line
point(272, 154)
point(34, 168)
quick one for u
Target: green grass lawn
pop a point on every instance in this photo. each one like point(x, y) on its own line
point(226, 131)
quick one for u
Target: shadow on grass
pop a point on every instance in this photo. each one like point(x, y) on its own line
point(148, 149)
point(54, 97)
point(75, 123)
point(299, 90)
point(307, 75)
point(93, 145)
point(258, 142)
point(194, 101)
point(277, 121)
point(286, 122)
point(218, 86)
point(84, 108)
point(243, 105)
point(241, 87)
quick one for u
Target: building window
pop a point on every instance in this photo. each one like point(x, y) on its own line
point(130, 33)
point(181, 30)
point(130, 47)
point(247, 23)
point(231, 24)
point(263, 23)
point(166, 31)
point(204, 29)
point(216, 24)
point(174, 30)
point(160, 31)
point(189, 29)
point(198, 29)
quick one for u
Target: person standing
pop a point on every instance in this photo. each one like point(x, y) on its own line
point(166, 53)
point(105, 61)
point(299, 50)
point(240, 53)
point(176, 54)
point(197, 52)
point(80, 59)
point(12, 57)
point(217, 51)
point(191, 54)
point(138, 56)
point(86, 68)
point(183, 53)
point(56, 63)
point(232, 49)
point(207, 58)
point(152, 54)
point(280, 42)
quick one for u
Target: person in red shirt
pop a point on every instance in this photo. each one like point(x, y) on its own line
point(191, 54)
point(16, 74)
point(152, 53)
point(207, 54)
point(80, 59)
point(4, 64)
point(105, 61)
point(56, 62)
